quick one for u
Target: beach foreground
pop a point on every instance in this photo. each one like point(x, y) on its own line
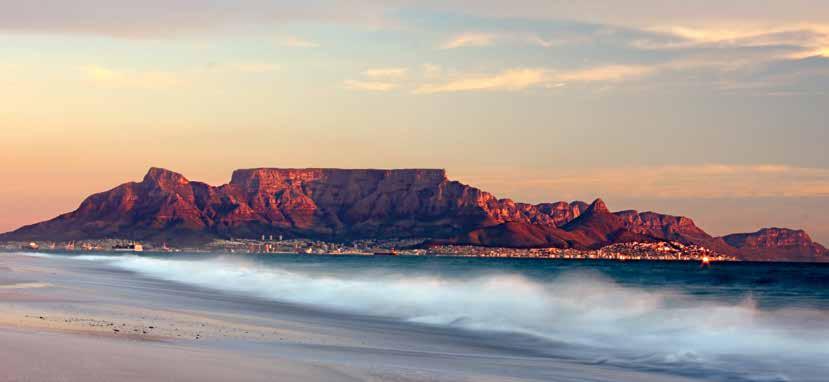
point(76, 321)
point(103, 317)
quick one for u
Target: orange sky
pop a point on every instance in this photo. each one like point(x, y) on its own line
point(697, 108)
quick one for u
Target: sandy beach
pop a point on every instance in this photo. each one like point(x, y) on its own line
point(64, 320)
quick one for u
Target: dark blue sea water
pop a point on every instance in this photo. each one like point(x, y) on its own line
point(727, 322)
point(769, 285)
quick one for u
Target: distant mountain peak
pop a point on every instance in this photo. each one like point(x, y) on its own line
point(164, 177)
point(598, 206)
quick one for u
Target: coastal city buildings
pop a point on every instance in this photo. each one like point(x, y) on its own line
point(661, 251)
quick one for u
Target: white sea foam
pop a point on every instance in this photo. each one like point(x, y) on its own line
point(656, 327)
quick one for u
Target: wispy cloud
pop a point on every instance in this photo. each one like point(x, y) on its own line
point(389, 73)
point(297, 42)
point(129, 78)
point(544, 43)
point(254, 67)
point(511, 80)
point(511, 38)
point(793, 41)
point(469, 40)
point(524, 78)
point(378, 79)
point(605, 73)
point(157, 79)
point(749, 36)
point(371, 86)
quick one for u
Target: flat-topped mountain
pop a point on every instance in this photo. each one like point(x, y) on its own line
point(318, 203)
point(341, 204)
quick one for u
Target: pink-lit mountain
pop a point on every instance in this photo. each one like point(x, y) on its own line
point(337, 204)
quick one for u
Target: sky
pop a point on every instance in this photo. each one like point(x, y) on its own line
point(710, 109)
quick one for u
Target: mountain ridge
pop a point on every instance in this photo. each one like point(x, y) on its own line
point(348, 204)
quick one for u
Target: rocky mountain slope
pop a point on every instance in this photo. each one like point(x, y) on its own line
point(338, 204)
point(318, 203)
point(774, 243)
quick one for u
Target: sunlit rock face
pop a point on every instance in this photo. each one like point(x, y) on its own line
point(562, 212)
point(340, 204)
point(320, 203)
point(773, 243)
point(594, 226)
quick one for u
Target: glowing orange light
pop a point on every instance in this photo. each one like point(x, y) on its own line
point(706, 260)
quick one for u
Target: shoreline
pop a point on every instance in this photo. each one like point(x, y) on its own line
point(55, 309)
point(632, 251)
point(597, 260)
point(449, 255)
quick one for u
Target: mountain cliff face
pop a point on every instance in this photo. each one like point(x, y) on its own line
point(598, 227)
point(338, 204)
point(517, 235)
point(773, 243)
point(594, 226)
point(672, 228)
point(663, 226)
point(591, 227)
point(562, 213)
point(320, 203)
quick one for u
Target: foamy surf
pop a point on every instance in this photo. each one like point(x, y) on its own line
point(638, 327)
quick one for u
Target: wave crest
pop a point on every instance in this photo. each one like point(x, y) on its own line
point(632, 325)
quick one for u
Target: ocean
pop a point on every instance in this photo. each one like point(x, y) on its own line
point(725, 322)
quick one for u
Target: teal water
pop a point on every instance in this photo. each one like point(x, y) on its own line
point(728, 322)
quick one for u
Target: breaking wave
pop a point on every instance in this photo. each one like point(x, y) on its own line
point(626, 325)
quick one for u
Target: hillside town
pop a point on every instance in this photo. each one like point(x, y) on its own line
point(661, 251)
point(633, 251)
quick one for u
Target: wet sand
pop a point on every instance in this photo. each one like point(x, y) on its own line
point(66, 320)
